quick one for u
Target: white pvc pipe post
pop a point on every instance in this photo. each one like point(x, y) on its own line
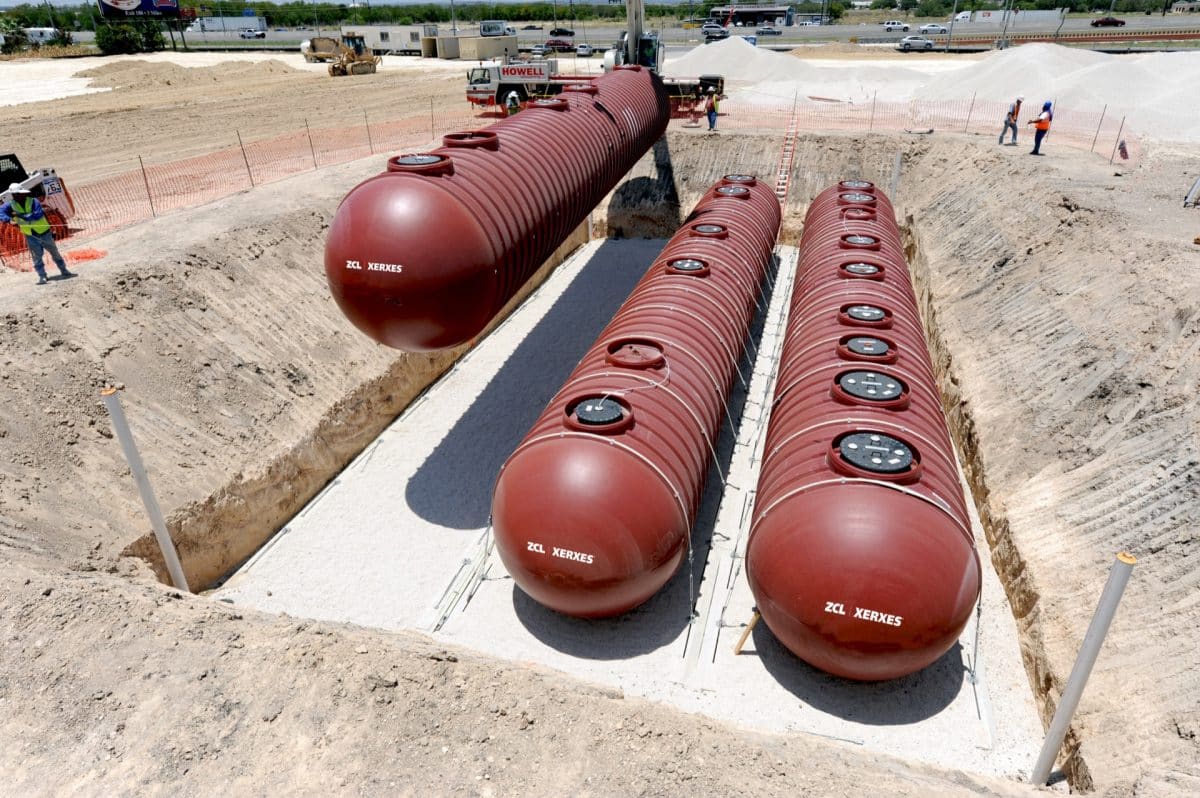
point(1118, 577)
point(113, 403)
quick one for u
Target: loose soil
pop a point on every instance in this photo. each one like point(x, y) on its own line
point(1061, 294)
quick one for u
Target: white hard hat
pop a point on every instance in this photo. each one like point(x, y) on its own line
point(1021, 98)
point(17, 188)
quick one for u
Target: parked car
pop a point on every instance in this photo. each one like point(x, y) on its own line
point(560, 45)
point(562, 32)
point(583, 50)
point(250, 33)
point(715, 35)
point(767, 30)
point(710, 26)
point(895, 24)
point(532, 27)
point(540, 51)
point(933, 28)
point(915, 43)
point(1108, 22)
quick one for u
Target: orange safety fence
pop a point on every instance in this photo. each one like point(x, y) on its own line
point(150, 190)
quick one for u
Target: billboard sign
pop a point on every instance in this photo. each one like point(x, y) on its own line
point(122, 9)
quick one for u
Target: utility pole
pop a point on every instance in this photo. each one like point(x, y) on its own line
point(950, 35)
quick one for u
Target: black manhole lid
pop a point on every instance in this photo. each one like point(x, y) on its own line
point(865, 313)
point(597, 411)
point(870, 385)
point(874, 451)
point(866, 345)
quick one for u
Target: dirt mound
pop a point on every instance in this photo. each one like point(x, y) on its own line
point(142, 74)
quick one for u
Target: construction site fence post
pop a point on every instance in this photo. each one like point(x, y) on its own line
point(871, 123)
point(1098, 126)
point(245, 159)
point(146, 182)
point(969, 112)
point(1118, 577)
point(311, 148)
point(121, 427)
point(432, 129)
point(1117, 141)
point(367, 124)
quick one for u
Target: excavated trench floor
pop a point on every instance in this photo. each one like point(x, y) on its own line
point(399, 540)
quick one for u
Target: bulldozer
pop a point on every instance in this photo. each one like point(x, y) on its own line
point(350, 56)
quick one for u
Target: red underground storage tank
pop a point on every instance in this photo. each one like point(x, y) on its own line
point(593, 512)
point(423, 256)
point(860, 556)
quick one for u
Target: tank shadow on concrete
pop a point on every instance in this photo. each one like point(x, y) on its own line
point(909, 699)
point(453, 487)
point(665, 615)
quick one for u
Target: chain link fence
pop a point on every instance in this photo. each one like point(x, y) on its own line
point(148, 190)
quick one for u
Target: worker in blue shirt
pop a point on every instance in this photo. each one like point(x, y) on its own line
point(25, 212)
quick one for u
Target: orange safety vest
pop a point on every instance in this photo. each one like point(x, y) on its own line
point(1043, 121)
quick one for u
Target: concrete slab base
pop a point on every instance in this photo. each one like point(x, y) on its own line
point(400, 540)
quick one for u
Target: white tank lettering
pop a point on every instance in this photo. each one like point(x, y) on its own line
point(384, 267)
point(835, 607)
point(864, 614)
point(531, 546)
point(577, 556)
point(353, 264)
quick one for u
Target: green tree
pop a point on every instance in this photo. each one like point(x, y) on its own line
point(15, 39)
point(130, 37)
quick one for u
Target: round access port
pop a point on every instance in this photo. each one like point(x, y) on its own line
point(867, 348)
point(871, 387)
point(635, 353)
point(856, 213)
point(863, 315)
point(598, 414)
point(856, 185)
point(421, 163)
point(861, 270)
point(741, 192)
point(553, 103)
point(745, 180)
point(586, 88)
point(485, 139)
point(858, 241)
point(690, 267)
point(874, 454)
point(856, 198)
point(708, 230)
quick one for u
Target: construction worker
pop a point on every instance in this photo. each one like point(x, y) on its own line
point(25, 212)
point(1010, 119)
point(1041, 127)
point(710, 108)
point(512, 103)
